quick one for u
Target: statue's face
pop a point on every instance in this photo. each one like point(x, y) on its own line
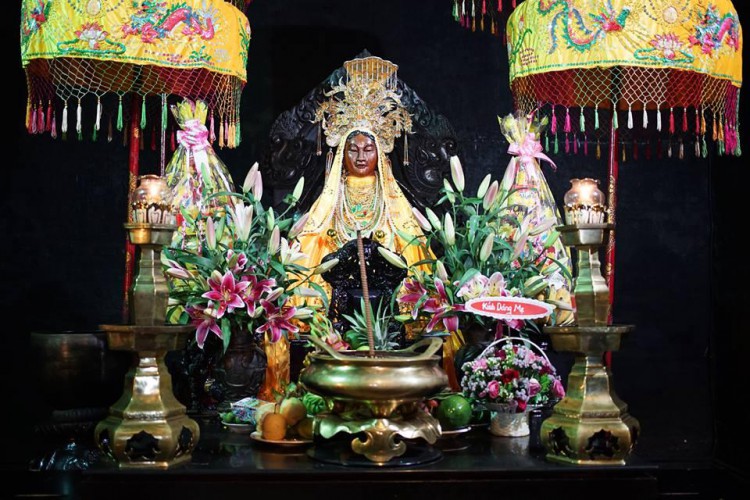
point(361, 155)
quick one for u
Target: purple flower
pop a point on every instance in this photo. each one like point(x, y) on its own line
point(277, 320)
point(414, 292)
point(254, 290)
point(205, 319)
point(442, 309)
point(226, 291)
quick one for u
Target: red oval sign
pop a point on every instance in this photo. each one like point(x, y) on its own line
point(509, 307)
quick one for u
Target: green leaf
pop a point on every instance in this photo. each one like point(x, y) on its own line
point(467, 276)
point(278, 267)
point(321, 292)
point(563, 269)
point(226, 332)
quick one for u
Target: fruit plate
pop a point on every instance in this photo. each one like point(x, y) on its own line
point(256, 436)
point(239, 428)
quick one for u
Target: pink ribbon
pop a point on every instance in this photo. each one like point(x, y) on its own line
point(529, 150)
point(194, 136)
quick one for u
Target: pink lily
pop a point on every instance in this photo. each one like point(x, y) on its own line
point(496, 285)
point(475, 287)
point(277, 320)
point(254, 290)
point(442, 309)
point(414, 292)
point(205, 319)
point(226, 291)
point(236, 261)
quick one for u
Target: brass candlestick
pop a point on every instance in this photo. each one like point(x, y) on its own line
point(147, 427)
point(591, 425)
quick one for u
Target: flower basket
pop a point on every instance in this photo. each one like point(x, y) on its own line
point(511, 381)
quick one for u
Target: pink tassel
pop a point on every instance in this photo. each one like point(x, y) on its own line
point(568, 128)
point(585, 145)
point(48, 126)
point(173, 140)
point(484, 7)
point(40, 118)
point(567, 143)
point(32, 121)
point(671, 121)
point(730, 136)
point(684, 120)
point(514, 4)
point(553, 128)
point(53, 127)
point(575, 145)
point(499, 5)
point(212, 133)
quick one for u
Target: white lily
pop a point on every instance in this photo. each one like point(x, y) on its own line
point(326, 266)
point(270, 219)
point(486, 250)
point(250, 178)
point(450, 230)
point(304, 291)
point(274, 242)
point(243, 219)
point(457, 173)
point(490, 195)
point(210, 234)
point(433, 218)
point(297, 193)
point(421, 219)
point(275, 294)
point(440, 270)
point(290, 253)
point(258, 186)
point(449, 192)
point(484, 186)
point(303, 313)
point(298, 226)
point(392, 258)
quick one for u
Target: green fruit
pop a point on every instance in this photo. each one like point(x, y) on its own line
point(454, 412)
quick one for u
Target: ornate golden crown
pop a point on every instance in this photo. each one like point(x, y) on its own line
point(369, 101)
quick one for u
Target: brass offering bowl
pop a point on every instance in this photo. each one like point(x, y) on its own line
point(377, 395)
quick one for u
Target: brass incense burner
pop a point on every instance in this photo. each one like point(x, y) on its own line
point(376, 395)
point(591, 425)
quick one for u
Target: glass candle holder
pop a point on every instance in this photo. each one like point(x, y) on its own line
point(585, 203)
point(151, 201)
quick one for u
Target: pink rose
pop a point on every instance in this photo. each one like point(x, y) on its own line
point(557, 389)
point(534, 387)
point(493, 388)
point(480, 364)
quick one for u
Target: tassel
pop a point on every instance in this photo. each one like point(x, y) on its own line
point(481, 23)
point(645, 117)
point(582, 121)
point(557, 145)
point(40, 118)
point(704, 147)
point(173, 140)
point(514, 3)
point(79, 127)
point(493, 29)
point(64, 125)
point(575, 145)
point(499, 5)
point(406, 149)
point(669, 149)
point(615, 119)
point(553, 127)
point(455, 10)
point(568, 127)
point(671, 121)
point(143, 113)
point(109, 129)
point(630, 117)
point(98, 123)
point(703, 121)
point(237, 133)
point(682, 150)
point(697, 121)
point(585, 145)
point(714, 134)
point(684, 120)
point(484, 7)
point(319, 140)
point(624, 155)
point(226, 132)
point(567, 144)
point(221, 133)
point(31, 127)
point(48, 125)
point(596, 117)
point(53, 127)
point(697, 147)
point(119, 115)
point(546, 142)
point(658, 119)
point(598, 150)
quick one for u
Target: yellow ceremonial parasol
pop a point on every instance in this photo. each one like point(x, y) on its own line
point(87, 56)
point(610, 70)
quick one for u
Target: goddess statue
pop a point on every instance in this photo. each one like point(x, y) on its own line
point(361, 120)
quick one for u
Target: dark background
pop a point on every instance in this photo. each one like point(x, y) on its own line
point(682, 272)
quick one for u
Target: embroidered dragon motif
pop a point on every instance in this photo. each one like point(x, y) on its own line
point(575, 31)
point(712, 29)
point(154, 20)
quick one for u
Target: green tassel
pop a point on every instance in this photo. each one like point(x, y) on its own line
point(615, 120)
point(237, 134)
point(738, 149)
point(143, 113)
point(455, 10)
point(119, 116)
point(163, 112)
point(596, 118)
point(704, 148)
point(93, 135)
point(546, 142)
point(557, 145)
point(582, 126)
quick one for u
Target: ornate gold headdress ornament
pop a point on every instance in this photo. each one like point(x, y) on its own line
point(370, 101)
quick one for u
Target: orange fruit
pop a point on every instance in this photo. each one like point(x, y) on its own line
point(274, 427)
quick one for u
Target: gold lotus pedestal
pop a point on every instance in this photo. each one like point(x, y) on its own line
point(373, 403)
point(147, 427)
point(591, 425)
